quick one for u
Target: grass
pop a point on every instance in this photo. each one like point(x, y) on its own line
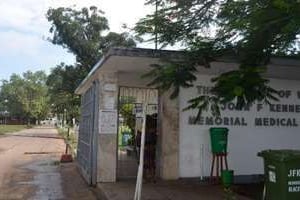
point(71, 139)
point(11, 128)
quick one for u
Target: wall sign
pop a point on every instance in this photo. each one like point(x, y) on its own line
point(109, 102)
point(150, 109)
point(110, 87)
point(283, 113)
point(108, 121)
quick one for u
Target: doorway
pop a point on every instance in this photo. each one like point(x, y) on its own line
point(130, 105)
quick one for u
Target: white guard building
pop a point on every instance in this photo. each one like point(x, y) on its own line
point(183, 146)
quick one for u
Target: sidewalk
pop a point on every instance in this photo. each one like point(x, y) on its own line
point(73, 185)
point(164, 190)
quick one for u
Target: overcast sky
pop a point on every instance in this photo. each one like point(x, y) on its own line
point(23, 27)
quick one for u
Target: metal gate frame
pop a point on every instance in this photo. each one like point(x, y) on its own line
point(88, 134)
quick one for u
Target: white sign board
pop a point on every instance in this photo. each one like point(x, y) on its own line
point(109, 102)
point(110, 87)
point(150, 109)
point(108, 121)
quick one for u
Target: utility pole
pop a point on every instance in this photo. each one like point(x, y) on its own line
point(155, 26)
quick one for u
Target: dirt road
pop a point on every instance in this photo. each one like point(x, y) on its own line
point(30, 168)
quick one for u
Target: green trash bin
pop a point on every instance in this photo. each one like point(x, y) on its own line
point(227, 177)
point(282, 174)
point(218, 138)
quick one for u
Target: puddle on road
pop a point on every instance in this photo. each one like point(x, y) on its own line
point(47, 180)
point(11, 188)
point(42, 152)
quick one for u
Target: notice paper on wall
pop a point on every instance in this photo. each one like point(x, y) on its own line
point(108, 121)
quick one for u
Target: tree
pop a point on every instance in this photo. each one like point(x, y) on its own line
point(82, 33)
point(27, 95)
point(62, 82)
point(253, 31)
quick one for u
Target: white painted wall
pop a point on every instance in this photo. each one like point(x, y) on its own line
point(244, 142)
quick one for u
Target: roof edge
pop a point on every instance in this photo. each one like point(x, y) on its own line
point(123, 51)
point(92, 72)
point(154, 53)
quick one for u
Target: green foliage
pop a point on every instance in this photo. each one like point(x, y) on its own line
point(172, 75)
point(26, 95)
point(204, 103)
point(81, 32)
point(252, 31)
point(62, 82)
point(70, 138)
point(256, 28)
point(126, 106)
point(238, 85)
point(113, 39)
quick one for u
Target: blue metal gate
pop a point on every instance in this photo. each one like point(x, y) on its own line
point(88, 134)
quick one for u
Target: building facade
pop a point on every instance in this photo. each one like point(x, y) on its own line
point(183, 146)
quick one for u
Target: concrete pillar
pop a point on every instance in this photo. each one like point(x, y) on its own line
point(107, 140)
point(169, 137)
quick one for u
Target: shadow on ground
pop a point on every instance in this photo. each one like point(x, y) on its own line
point(253, 191)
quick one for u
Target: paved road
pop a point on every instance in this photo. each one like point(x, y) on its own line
point(30, 168)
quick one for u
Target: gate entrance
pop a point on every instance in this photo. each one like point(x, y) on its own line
point(87, 139)
point(130, 104)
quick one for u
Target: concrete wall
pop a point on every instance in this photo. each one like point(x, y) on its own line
point(245, 140)
point(184, 149)
point(169, 137)
point(107, 142)
point(168, 141)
